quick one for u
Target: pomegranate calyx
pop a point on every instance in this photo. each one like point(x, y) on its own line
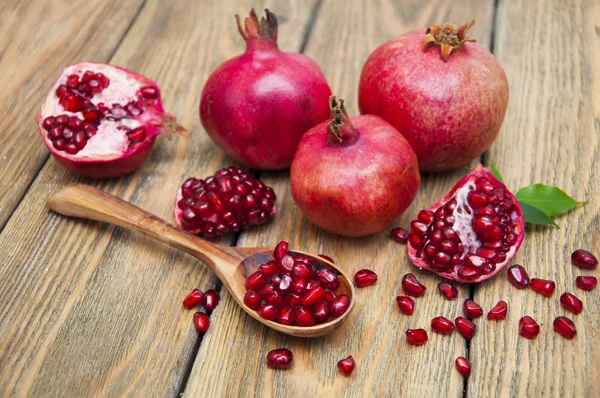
point(341, 130)
point(264, 32)
point(170, 127)
point(448, 37)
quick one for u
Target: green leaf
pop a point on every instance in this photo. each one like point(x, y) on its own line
point(551, 200)
point(536, 216)
point(496, 173)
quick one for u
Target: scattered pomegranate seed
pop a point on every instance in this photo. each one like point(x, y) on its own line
point(201, 322)
point(279, 358)
point(448, 290)
point(528, 327)
point(365, 277)
point(346, 365)
point(416, 336)
point(472, 309)
point(565, 327)
point(543, 286)
point(412, 286)
point(193, 299)
point(400, 235)
point(463, 366)
point(406, 305)
point(442, 325)
point(518, 277)
point(584, 259)
point(571, 303)
point(586, 282)
point(465, 327)
point(211, 300)
point(281, 250)
point(498, 313)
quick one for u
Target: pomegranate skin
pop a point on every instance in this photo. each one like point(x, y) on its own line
point(450, 112)
point(257, 106)
point(357, 187)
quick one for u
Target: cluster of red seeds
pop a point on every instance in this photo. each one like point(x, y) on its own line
point(208, 301)
point(229, 201)
point(292, 290)
point(70, 133)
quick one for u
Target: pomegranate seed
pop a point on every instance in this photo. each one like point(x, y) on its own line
point(400, 235)
point(571, 303)
point(339, 305)
point(346, 365)
point(211, 300)
point(327, 258)
point(274, 298)
point(299, 285)
point(201, 322)
point(448, 290)
point(584, 259)
point(416, 336)
point(518, 277)
point(365, 277)
point(255, 281)
point(472, 309)
point(193, 299)
point(252, 299)
point(304, 317)
point(498, 313)
point(412, 286)
point(294, 300)
point(269, 268)
point(321, 311)
point(543, 286)
point(586, 282)
point(281, 250)
point(286, 316)
point(286, 264)
point(463, 366)
point(329, 296)
point(302, 270)
point(266, 289)
point(313, 296)
point(565, 327)
point(328, 279)
point(465, 327)
point(280, 358)
point(149, 92)
point(268, 312)
point(442, 325)
point(405, 304)
point(528, 327)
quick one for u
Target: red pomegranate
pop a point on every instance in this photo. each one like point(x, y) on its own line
point(448, 102)
point(472, 233)
point(257, 106)
point(101, 121)
point(353, 176)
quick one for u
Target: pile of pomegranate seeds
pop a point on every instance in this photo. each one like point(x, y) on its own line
point(280, 358)
point(463, 366)
point(364, 278)
point(293, 290)
point(584, 259)
point(229, 201)
point(346, 365)
point(400, 235)
point(208, 300)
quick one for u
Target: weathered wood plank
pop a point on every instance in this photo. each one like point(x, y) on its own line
point(233, 352)
point(551, 134)
point(93, 309)
point(37, 40)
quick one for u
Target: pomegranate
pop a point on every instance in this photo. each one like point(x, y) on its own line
point(449, 106)
point(586, 282)
point(463, 366)
point(571, 303)
point(565, 327)
point(471, 309)
point(101, 121)
point(518, 277)
point(201, 322)
point(365, 277)
point(498, 313)
point(528, 327)
point(193, 299)
point(279, 358)
point(346, 365)
point(416, 336)
point(448, 290)
point(400, 235)
point(257, 106)
point(472, 233)
point(584, 259)
point(442, 325)
point(353, 176)
point(543, 286)
point(406, 305)
point(229, 201)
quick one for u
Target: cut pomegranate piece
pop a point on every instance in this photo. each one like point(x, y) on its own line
point(280, 358)
point(99, 120)
point(346, 365)
point(528, 327)
point(201, 322)
point(412, 287)
point(471, 309)
point(193, 299)
point(543, 286)
point(463, 366)
point(518, 277)
point(406, 305)
point(416, 336)
point(586, 282)
point(565, 327)
point(211, 300)
point(498, 313)
point(465, 327)
point(571, 303)
point(448, 290)
point(400, 235)
point(229, 201)
point(442, 325)
point(474, 232)
point(584, 259)
point(364, 278)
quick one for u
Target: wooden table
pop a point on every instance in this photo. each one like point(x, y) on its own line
point(91, 309)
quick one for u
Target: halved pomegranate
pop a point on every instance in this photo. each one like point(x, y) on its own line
point(101, 121)
point(472, 233)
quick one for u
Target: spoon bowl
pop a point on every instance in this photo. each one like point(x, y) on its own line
point(232, 265)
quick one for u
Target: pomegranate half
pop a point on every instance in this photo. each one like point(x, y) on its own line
point(472, 233)
point(353, 176)
point(101, 120)
point(449, 103)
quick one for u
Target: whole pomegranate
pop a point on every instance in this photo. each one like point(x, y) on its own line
point(101, 121)
point(472, 233)
point(448, 102)
point(257, 106)
point(353, 176)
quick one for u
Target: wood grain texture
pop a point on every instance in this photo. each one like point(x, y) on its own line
point(551, 134)
point(37, 40)
point(233, 351)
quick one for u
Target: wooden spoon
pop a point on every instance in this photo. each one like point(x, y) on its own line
point(232, 265)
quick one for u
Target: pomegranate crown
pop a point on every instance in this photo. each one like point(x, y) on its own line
point(265, 30)
point(448, 37)
point(340, 128)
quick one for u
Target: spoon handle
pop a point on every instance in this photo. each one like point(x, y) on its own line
point(83, 201)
